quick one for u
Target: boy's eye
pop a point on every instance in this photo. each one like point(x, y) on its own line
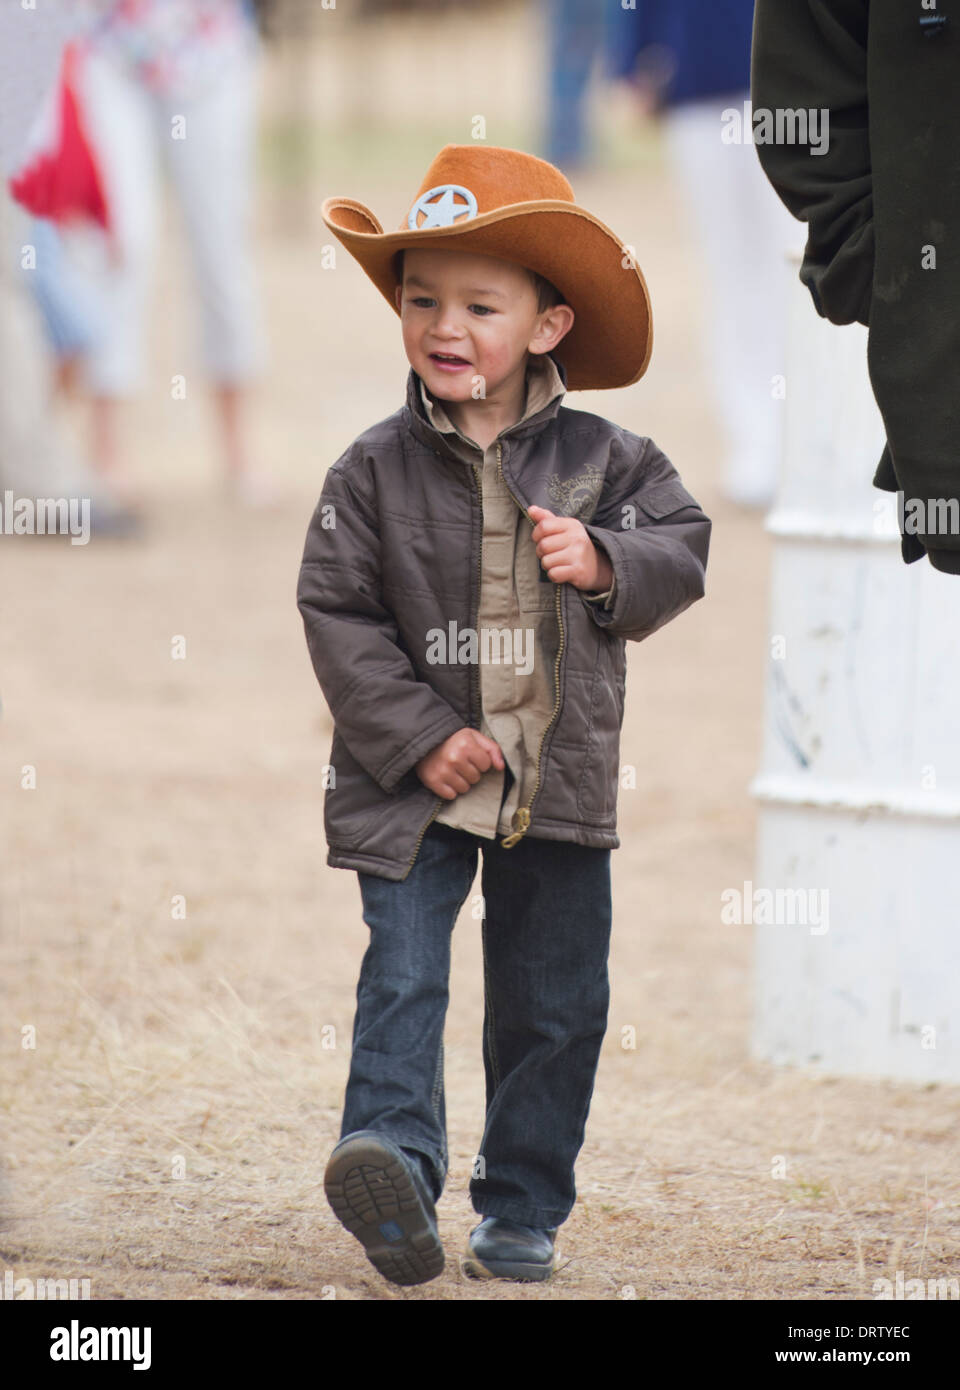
point(424, 301)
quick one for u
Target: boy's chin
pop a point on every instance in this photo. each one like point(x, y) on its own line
point(446, 386)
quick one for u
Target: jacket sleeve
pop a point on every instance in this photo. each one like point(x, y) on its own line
point(657, 540)
point(387, 717)
point(812, 55)
point(606, 598)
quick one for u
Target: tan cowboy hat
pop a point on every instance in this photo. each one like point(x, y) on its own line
point(499, 202)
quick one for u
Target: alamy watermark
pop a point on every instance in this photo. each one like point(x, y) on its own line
point(76, 1343)
point(784, 126)
point(776, 907)
point(41, 1289)
point(910, 1289)
point(496, 646)
point(45, 516)
point(928, 516)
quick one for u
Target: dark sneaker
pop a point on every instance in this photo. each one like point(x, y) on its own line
point(380, 1196)
point(501, 1249)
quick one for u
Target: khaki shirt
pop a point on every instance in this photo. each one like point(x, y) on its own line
point(518, 615)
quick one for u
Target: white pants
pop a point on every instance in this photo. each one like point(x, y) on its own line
point(132, 131)
point(744, 232)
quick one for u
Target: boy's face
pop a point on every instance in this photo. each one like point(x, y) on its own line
point(465, 316)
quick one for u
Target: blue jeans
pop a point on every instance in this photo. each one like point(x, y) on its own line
point(575, 37)
point(546, 939)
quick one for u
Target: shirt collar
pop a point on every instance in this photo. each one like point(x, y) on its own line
point(544, 384)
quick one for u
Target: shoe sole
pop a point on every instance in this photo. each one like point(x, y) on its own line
point(506, 1269)
point(373, 1197)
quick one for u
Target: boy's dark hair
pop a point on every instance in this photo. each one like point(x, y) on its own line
point(548, 296)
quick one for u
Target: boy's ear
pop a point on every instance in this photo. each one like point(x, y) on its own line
point(398, 296)
point(552, 325)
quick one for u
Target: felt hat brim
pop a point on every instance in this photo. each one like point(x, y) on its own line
point(611, 340)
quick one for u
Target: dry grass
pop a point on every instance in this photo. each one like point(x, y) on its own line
point(202, 1044)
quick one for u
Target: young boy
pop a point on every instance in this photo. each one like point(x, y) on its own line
point(471, 575)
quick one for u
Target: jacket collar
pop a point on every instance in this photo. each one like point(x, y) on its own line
point(426, 417)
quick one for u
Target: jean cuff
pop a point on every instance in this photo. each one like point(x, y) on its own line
point(509, 1209)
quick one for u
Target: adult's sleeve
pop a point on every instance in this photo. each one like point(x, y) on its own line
point(657, 539)
point(811, 55)
point(387, 717)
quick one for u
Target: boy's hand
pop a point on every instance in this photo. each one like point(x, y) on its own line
point(568, 554)
point(458, 763)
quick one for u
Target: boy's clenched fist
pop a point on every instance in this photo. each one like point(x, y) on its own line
point(567, 553)
point(458, 763)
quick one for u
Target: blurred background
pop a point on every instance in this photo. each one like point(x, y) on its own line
point(182, 340)
point(207, 261)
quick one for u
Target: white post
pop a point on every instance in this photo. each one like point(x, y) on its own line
point(859, 789)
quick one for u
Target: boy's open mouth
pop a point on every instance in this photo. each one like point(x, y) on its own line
point(448, 359)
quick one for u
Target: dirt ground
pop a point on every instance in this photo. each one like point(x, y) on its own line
point(167, 1134)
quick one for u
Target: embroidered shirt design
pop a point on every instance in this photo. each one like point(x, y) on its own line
point(576, 496)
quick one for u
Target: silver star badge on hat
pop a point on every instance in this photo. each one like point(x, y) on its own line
point(439, 209)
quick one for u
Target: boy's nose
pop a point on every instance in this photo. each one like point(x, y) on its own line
point(447, 324)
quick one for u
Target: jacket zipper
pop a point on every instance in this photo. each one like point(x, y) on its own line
point(474, 680)
point(521, 817)
point(413, 857)
point(475, 674)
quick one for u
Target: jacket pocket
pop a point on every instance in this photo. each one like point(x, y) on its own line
point(354, 802)
point(664, 498)
point(599, 777)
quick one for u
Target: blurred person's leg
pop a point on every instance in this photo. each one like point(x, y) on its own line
point(575, 36)
point(38, 455)
point(69, 311)
point(213, 170)
point(743, 233)
point(118, 268)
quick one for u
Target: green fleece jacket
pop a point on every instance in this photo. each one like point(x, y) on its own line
point(883, 211)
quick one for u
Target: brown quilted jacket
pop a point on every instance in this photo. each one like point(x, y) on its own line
point(394, 553)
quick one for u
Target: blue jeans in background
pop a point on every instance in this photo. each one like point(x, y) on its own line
point(575, 32)
point(546, 938)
